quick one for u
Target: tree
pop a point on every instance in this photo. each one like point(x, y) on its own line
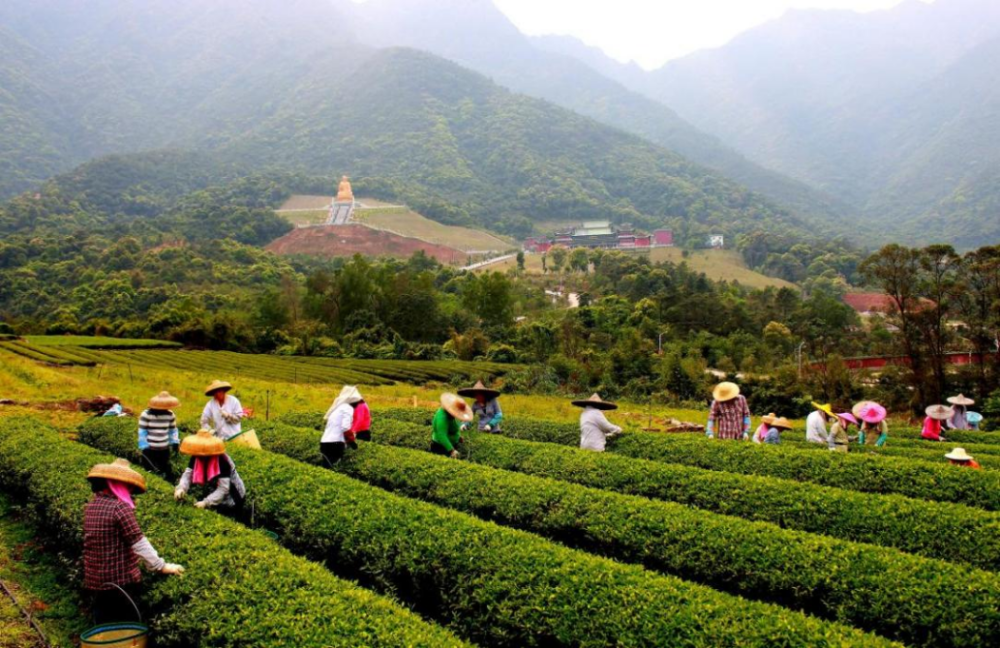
point(558, 257)
point(579, 260)
point(520, 261)
point(938, 280)
point(490, 297)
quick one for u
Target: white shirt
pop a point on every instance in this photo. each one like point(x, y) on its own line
point(595, 429)
point(816, 428)
point(213, 419)
point(340, 421)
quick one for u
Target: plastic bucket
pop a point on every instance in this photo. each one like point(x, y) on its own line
point(116, 635)
point(247, 438)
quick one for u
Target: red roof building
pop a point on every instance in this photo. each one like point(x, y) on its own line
point(643, 241)
point(663, 238)
point(876, 303)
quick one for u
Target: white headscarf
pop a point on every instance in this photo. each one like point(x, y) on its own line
point(349, 394)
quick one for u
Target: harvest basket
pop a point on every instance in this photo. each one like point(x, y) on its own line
point(116, 635)
point(246, 438)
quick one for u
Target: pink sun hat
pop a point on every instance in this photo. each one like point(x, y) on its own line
point(872, 413)
point(847, 416)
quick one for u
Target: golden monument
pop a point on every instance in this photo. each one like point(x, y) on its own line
point(344, 192)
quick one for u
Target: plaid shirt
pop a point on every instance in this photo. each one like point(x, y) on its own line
point(109, 531)
point(729, 417)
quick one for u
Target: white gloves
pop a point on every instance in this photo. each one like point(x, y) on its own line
point(454, 454)
point(172, 570)
point(179, 494)
point(488, 428)
point(464, 427)
point(200, 504)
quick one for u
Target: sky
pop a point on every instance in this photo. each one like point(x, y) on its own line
point(651, 32)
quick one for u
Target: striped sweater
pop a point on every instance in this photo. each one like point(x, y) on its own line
point(157, 430)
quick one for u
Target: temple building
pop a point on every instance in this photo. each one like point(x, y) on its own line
point(343, 205)
point(601, 234)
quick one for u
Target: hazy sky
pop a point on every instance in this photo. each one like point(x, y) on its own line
point(651, 32)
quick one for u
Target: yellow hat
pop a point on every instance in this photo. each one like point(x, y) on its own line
point(203, 444)
point(456, 406)
point(725, 391)
point(163, 401)
point(826, 409)
point(118, 470)
point(216, 386)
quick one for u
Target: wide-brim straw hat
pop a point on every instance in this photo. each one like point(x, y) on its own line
point(769, 419)
point(479, 388)
point(940, 412)
point(596, 402)
point(203, 444)
point(164, 401)
point(872, 413)
point(856, 410)
point(118, 470)
point(781, 423)
point(847, 416)
point(456, 406)
point(958, 454)
point(826, 409)
point(725, 391)
point(216, 386)
point(961, 399)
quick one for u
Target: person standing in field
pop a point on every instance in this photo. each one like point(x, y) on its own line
point(839, 440)
point(361, 428)
point(212, 471)
point(595, 429)
point(936, 416)
point(729, 415)
point(339, 423)
point(223, 413)
point(486, 406)
point(874, 429)
point(959, 420)
point(158, 435)
point(959, 457)
point(760, 434)
point(114, 544)
point(446, 428)
point(816, 431)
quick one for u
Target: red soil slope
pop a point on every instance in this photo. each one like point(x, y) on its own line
point(347, 240)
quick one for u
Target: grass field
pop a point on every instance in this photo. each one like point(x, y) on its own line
point(409, 223)
point(97, 342)
point(718, 265)
point(300, 218)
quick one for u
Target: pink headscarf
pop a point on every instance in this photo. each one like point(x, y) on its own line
point(205, 469)
point(122, 492)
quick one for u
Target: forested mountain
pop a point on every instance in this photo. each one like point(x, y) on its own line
point(271, 84)
point(893, 111)
point(475, 34)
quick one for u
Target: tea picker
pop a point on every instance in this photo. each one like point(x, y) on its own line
point(211, 471)
point(446, 430)
point(113, 543)
point(595, 429)
point(486, 407)
point(158, 434)
point(337, 433)
point(223, 413)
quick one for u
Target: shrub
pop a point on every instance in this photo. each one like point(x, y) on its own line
point(933, 529)
point(240, 589)
point(818, 574)
point(861, 472)
point(495, 585)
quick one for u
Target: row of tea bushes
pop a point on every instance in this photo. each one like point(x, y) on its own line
point(861, 472)
point(954, 532)
point(496, 585)
point(240, 588)
point(932, 454)
point(818, 574)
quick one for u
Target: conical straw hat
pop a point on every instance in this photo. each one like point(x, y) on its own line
point(456, 406)
point(163, 401)
point(119, 470)
point(781, 423)
point(479, 388)
point(203, 444)
point(826, 409)
point(769, 419)
point(216, 386)
point(596, 402)
point(725, 391)
point(958, 454)
point(872, 413)
point(940, 412)
point(961, 399)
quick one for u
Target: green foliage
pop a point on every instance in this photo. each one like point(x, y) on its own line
point(828, 577)
point(459, 569)
point(260, 594)
point(861, 472)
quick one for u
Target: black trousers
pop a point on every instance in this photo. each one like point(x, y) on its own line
point(158, 460)
point(439, 449)
point(111, 606)
point(364, 435)
point(333, 452)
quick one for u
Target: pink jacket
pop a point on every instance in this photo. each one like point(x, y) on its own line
point(932, 429)
point(362, 419)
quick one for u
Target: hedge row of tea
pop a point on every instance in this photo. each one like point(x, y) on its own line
point(501, 586)
point(874, 588)
point(931, 454)
point(240, 588)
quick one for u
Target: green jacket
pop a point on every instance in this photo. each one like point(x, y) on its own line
point(446, 430)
